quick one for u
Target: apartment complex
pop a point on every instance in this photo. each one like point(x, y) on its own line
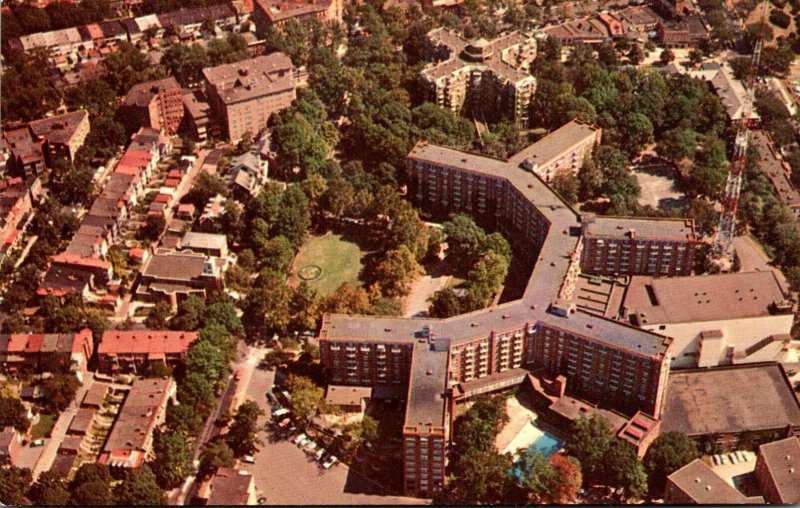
point(697, 483)
point(136, 350)
point(442, 359)
point(37, 145)
point(563, 150)
point(172, 276)
point(630, 246)
point(267, 13)
point(714, 320)
point(244, 94)
point(156, 104)
point(130, 442)
point(490, 78)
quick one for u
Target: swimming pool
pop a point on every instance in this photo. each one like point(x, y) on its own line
point(545, 443)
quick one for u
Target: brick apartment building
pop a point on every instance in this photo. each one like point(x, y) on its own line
point(37, 145)
point(138, 349)
point(564, 149)
point(624, 246)
point(172, 276)
point(244, 94)
point(601, 359)
point(130, 442)
point(267, 13)
point(778, 471)
point(155, 104)
point(46, 351)
point(490, 77)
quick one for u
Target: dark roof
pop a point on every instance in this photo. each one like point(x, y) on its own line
point(426, 387)
point(111, 28)
point(702, 402)
point(140, 95)
point(59, 128)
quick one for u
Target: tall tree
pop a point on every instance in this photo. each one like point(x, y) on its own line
point(668, 453)
point(173, 462)
point(241, 437)
point(49, 489)
point(140, 488)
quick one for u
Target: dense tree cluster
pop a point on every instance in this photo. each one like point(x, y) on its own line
point(186, 61)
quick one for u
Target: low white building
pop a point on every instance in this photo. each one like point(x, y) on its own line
point(714, 319)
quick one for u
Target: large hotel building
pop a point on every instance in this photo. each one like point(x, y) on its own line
point(441, 360)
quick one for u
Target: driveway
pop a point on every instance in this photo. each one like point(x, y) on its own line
point(753, 259)
point(284, 475)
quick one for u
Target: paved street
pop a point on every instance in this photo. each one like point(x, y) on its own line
point(284, 475)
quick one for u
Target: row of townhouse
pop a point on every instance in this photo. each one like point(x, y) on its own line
point(83, 265)
point(17, 199)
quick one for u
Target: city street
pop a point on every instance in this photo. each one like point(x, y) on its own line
point(285, 475)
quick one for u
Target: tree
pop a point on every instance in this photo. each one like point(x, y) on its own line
point(128, 66)
point(91, 486)
point(13, 414)
point(483, 478)
point(591, 440)
point(636, 55)
point(668, 453)
point(216, 454)
point(445, 303)
point(464, 240)
point(564, 489)
point(277, 254)
point(567, 186)
point(155, 225)
point(623, 471)
point(347, 299)
point(60, 390)
point(158, 317)
point(307, 397)
point(710, 170)
point(679, 144)
point(205, 187)
point(207, 359)
point(185, 62)
point(49, 489)
point(667, 56)
point(14, 482)
point(637, 131)
point(696, 57)
point(190, 316)
point(537, 473)
point(173, 462)
point(241, 437)
point(397, 270)
point(140, 488)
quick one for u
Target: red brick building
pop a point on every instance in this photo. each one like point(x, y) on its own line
point(10, 446)
point(625, 246)
point(155, 104)
point(135, 350)
point(778, 471)
point(45, 352)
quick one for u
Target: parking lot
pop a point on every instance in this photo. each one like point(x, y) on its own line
point(284, 474)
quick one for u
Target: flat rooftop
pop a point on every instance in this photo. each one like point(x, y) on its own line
point(249, 79)
point(426, 387)
point(645, 228)
point(729, 400)
point(554, 144)
point(704, 298)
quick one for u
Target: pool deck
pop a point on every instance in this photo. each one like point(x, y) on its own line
point(524, 438)
point(520, 417)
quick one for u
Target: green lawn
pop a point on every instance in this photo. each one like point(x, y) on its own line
point(338, 259)
point(43, 427)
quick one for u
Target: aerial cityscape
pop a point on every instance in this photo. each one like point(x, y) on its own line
point(385, 252)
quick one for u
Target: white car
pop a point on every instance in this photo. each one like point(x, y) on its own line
point(310, 446)
point(299, 438)
point(330, 462)
point(320, 453)
point(249, 459)
point(303, 442)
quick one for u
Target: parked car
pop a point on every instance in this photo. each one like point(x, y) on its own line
point(320, 453)
point(330, 461)
point(38, 442)
point(249, 459)
point(303, 442)
point(280, 413)
point(271, 398)
point(299, 438)
point(308, 448)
